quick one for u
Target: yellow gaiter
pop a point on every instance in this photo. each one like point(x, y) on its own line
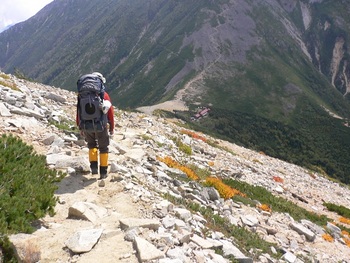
point(103, 159)
point(93, 155)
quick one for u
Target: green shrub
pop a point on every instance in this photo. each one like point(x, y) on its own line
point(26, 187)
point(145, 137)
point(185, 149)
point(182, 147)
point(200, 172)
point(65, 125)
point(11, 85)
point(339, 209)
point(4, 76)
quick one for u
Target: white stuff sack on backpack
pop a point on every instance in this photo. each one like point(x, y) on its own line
point(106, 105)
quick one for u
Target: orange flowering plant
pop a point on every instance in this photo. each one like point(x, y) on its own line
point(346, 237)
point(193, 135)
point(277, 179)
point(224, 190)
point(210, 163)
point(328, 237)
point(344, 220)
point(173, 164)
point(345, 233)
point(265, 207)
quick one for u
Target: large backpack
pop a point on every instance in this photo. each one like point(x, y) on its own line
point(90, 98)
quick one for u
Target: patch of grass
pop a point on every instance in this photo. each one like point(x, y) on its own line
point(182, 147)
point(9, 84)
point(200, 172)
point(65, 125)
point(257, 161)
point(339, 209)
point(4, 76)
point(145, 137)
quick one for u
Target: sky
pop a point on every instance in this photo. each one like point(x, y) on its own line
point(15, 11)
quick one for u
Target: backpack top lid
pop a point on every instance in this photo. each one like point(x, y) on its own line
point(98, 74)
point(91, 83)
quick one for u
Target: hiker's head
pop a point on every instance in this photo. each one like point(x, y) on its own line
point(100, 76)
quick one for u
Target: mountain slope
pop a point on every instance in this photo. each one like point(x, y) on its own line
point(271, 71)
point(145, 201)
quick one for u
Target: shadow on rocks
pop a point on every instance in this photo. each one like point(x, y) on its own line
point(72, 183)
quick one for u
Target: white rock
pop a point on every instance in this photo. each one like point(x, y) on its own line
point(84, 241)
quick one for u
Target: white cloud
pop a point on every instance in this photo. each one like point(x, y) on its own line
point(15, 11)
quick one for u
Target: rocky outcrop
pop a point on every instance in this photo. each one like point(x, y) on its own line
point(338, 54)
point(130, 220)
point(306, 13)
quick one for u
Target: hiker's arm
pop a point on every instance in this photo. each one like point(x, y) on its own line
point(110, 114)
point(77, 120)
point(77, 115)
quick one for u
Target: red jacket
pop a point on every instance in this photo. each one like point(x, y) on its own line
point(110, 114)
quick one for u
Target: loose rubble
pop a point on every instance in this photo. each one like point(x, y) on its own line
point(129, 219)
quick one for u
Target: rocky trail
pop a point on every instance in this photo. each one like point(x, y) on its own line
point(129, 219)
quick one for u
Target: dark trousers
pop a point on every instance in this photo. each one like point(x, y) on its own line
point(98, 140)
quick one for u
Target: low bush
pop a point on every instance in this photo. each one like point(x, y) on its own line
point(27, 188)
point(339, 209)
point(173, 164)
point(182, 147)
point(224, 190)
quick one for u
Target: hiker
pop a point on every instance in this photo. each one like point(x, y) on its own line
point(95, 119)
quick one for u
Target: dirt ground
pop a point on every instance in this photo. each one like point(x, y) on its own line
point(111, 247)
point(168, 105)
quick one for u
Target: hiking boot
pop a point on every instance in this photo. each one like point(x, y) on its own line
point(94, 167)
point(101, 183)
point(103, 172)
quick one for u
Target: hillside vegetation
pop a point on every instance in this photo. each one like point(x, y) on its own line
point(26, 189)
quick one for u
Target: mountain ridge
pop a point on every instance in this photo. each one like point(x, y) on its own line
point(282, 64)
